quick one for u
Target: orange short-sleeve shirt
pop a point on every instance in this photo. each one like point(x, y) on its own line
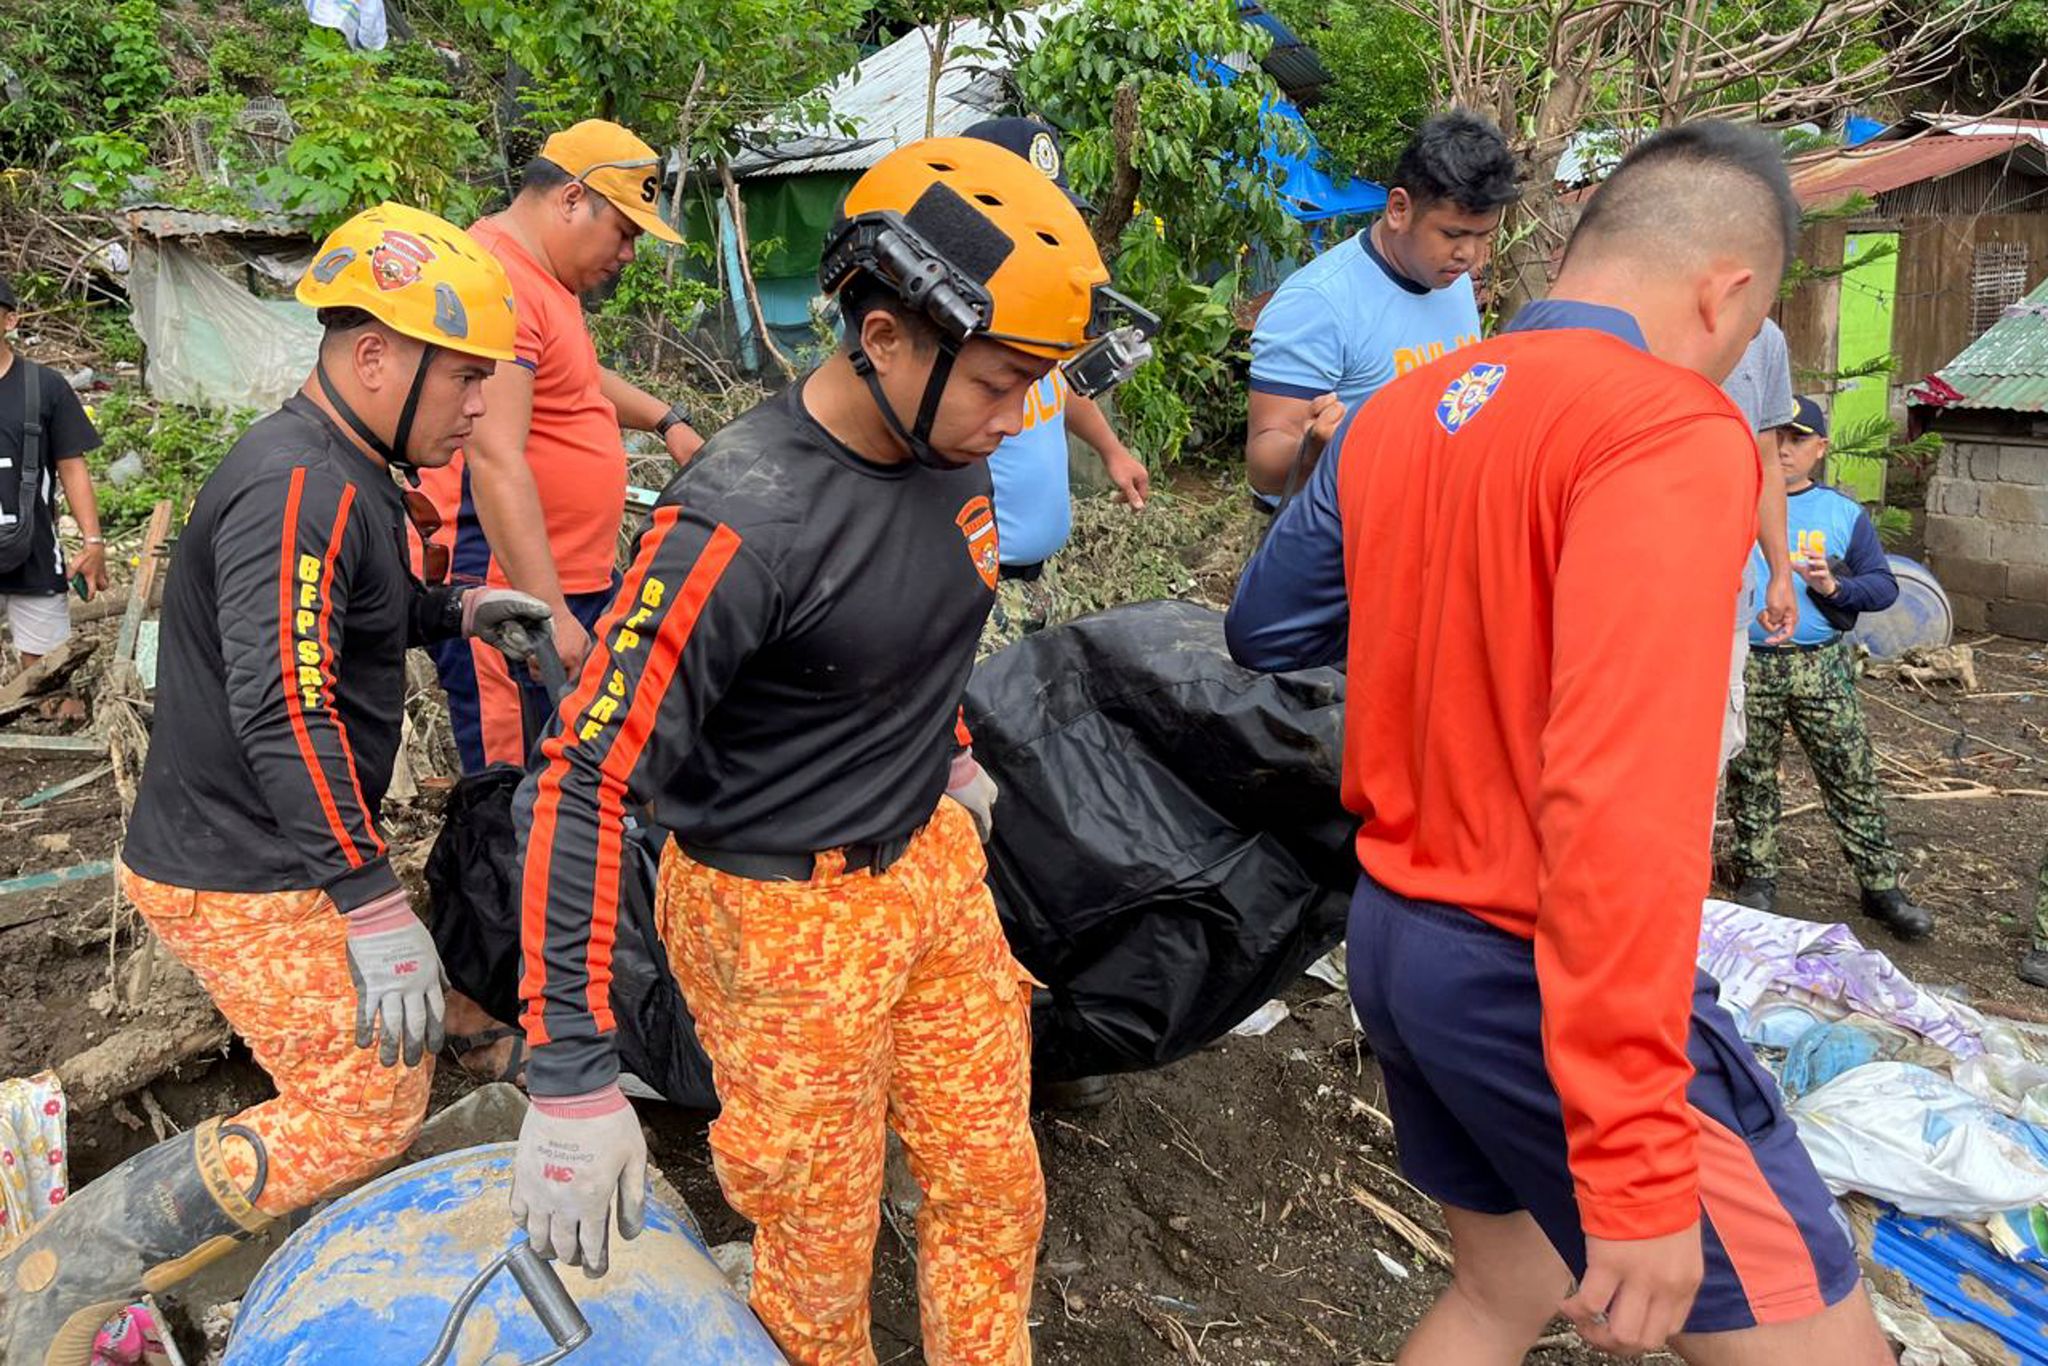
point(573, 448)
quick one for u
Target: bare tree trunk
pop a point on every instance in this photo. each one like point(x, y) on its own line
point(739, 227)
point(1124, 180)
point(683, 131)
point(937, 44)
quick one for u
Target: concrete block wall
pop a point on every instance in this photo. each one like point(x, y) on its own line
point(1987, 533)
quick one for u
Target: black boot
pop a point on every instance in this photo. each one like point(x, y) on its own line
point(1890, 909)
point(2033, 969)
point(147, 1224)
point(1757, 893)
point(1082, 1093)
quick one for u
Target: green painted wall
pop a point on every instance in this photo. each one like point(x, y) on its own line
point(1865, 334)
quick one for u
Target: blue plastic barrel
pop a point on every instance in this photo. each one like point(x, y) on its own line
point(370, 1280)
point(1920, 617)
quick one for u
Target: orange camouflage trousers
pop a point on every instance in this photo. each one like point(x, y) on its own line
point(276, 964)
point(829, 1009)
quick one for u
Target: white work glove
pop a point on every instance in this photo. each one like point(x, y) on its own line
point(969, 784)
point(506, 620)
point(399, 983)
point(575, 1154)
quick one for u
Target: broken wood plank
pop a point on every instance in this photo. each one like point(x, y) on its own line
point(63, 789)
point(55, 744)
point(145, 580)
point(52, 669)
point(138, 1054)
point(43, 882)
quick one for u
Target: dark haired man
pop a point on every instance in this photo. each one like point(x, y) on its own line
point(1384, 302)
point(254, 851)
point(1536, 775)
point(537, 496)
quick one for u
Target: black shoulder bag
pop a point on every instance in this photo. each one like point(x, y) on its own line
point(17, 536)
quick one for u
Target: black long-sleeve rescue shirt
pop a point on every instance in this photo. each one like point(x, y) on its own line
point(780, 673)
point(281, 671)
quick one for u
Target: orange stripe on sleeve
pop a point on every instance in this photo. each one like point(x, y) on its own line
point(535, 884)
point(348, 751)
point(1764, 1245)
point(286, 576)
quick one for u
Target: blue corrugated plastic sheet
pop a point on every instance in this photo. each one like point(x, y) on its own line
point(1962, 1279)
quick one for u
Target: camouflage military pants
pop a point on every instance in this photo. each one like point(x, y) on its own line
point(1023, 606)
point(1815, 691)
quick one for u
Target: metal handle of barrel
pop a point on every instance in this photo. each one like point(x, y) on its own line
point(548, 664)
point(552, 1304)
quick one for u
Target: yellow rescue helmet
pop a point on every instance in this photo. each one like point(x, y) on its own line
point(978, 239)
point(420, 276)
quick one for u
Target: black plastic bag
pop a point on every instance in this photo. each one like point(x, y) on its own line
point(473, 877)
point(1170, 849)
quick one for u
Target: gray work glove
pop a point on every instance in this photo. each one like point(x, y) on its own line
point(506, 619)
point(399, 983)
point(577, 1154)
point(969, 784)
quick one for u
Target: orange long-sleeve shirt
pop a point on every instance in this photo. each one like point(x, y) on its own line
point(1542, 537)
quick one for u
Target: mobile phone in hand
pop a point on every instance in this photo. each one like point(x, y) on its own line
point(81, 587)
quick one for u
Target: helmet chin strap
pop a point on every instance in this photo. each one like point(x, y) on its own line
point(918, 439)
point(389, 451)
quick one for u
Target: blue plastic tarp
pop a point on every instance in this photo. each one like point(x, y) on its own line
point(1309, 194)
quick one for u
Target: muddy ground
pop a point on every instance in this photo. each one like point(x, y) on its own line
point(1230, 1209)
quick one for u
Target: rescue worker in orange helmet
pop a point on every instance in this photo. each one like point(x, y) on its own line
point(254, 851)
point(778, 680)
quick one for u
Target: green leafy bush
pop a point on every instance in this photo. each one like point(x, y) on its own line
point(179, 448)
point(368, 131)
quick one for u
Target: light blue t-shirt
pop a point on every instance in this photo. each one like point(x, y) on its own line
point(1347, 323)
point(1034, 505)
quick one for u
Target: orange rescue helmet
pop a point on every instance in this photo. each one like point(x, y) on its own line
point(420, 276)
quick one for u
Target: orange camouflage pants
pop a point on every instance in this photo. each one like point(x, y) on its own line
point(830, 1008)
point(276, 963)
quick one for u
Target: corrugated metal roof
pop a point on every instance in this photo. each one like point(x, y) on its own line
point(1877, 167)
point(884, 99)
point(162, 221)
point(2006, 368)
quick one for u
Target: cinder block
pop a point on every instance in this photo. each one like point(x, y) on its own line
point(1978, 578)
point(2026, 582)
point(2013, 544)
point(2009, 617)
point(2023, 464)
point(2025, 504)
point(1956, 497)
point(1983, 462)
point(1953, 462)
point(1969, 613)
point(1966, 537)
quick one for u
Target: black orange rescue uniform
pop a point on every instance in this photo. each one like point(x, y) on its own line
point(280, 697)
point(778, 682)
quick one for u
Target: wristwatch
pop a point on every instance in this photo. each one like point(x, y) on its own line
point(676, 414)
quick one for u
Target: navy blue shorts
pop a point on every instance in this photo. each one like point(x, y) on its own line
point(1451, 1009)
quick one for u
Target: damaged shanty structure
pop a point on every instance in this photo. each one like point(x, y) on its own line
point(212, 304)
point(1987, 506)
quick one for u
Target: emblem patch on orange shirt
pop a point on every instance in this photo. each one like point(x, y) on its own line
point(1467, 394)
point(977, 522)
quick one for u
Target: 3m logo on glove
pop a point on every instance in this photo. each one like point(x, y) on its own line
point(556, 1172)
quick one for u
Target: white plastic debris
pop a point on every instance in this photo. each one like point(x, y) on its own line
point(1392, 1267)
point(1330, 970)
point(1261, 1021)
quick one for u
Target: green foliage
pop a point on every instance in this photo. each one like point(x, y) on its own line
point(50, 65)
point(1894, 526)
point(1381, 85)
point(179, 448)
point(100, 168)
point(650, 305)
point(370, 130)
point(634, 61)
point(1204, 189)
point(136, 74)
